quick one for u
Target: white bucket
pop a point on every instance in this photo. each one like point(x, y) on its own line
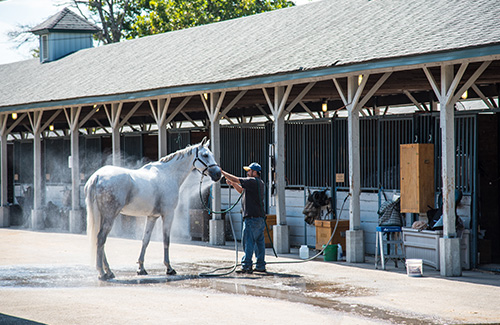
point(414, 267)
point(304, 252)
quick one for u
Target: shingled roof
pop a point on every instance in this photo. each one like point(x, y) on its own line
point(65, 20)
point(315, 39)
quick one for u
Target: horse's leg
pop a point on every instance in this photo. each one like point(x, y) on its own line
point(150, 223)
point(167, 224)
point(102, 263)
point(109, 274)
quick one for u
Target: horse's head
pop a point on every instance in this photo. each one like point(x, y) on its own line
point(205, 162)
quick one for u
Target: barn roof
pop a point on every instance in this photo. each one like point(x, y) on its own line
point(65, 20)
point(317, 39)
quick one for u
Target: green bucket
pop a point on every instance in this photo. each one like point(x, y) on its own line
point(330, 253)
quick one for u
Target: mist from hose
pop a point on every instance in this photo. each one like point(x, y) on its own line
point(57, 196)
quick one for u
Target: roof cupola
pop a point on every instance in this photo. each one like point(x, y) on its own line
point(63, 34)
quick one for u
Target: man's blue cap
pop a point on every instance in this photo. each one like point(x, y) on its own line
point(253, 166)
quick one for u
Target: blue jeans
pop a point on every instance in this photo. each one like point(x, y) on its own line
point(253, 240)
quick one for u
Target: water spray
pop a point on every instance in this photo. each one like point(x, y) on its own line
point(217, 212)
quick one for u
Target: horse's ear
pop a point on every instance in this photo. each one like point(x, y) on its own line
point(204, 141)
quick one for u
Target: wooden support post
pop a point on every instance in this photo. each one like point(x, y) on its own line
point(3, 153)
point(114, 121)
point(355, 252)
point(277, 107)
point(160, 116)
point(447, 121)
point(37, 217)
point(354, 165)
point(75, 217)
point(4, 132)
point(450, 253)
point(450, 264)
point(217, 233)
point(216, 100)
point(4, 209)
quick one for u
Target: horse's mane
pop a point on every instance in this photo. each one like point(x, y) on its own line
point(178, 154)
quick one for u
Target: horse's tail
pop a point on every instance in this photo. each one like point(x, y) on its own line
point(93, 215)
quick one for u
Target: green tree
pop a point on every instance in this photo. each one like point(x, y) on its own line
point(114, 17)
point(135, 18)
point(159, 16)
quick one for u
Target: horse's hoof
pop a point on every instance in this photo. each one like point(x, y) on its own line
point(171, 272)
point(106, 276)
point(142, 272)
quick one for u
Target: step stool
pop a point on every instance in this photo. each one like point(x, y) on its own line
point(390, 236)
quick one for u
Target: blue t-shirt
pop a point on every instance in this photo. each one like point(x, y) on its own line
point(252, 203)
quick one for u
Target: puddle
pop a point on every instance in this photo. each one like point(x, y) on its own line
point(283, 286)
point(316, 294)
point(330, 288)
point(44, 276)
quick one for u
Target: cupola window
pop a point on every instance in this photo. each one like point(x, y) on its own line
point(45, 48)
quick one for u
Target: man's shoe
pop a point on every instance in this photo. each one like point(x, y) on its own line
point(261, 270)
point(245, 271)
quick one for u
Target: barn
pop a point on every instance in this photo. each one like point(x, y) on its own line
point(322, 95)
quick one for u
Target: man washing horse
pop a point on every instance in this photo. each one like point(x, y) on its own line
point(253, 213)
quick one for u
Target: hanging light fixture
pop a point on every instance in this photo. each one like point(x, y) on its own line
point(464, 95)
point(205, 95)
point(324, 106)
point(51, 127)
point(14, 116)
point(360, 79)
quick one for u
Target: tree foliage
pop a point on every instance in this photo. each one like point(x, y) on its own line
point(159, 16)
point(136, 18)
point(114, 17)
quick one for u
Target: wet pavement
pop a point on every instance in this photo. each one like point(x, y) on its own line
point(286, 287)
point(44, 278)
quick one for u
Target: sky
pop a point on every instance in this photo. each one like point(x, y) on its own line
point(31, 12)
point(22, 12)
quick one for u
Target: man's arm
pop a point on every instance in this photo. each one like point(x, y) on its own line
point(236, 186)
point(230, 177)
point(233, 181)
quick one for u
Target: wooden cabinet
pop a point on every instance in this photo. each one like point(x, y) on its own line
point(324, 230)
point(417, 177)
point(270, 221)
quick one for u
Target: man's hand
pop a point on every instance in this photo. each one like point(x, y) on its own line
point(230, 178)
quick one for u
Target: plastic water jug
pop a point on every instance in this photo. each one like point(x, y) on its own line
point(340, 253)
point(304, 252)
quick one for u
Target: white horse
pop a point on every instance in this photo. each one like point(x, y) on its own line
point(151, 191)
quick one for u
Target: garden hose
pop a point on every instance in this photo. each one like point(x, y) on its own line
point(236, 264)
